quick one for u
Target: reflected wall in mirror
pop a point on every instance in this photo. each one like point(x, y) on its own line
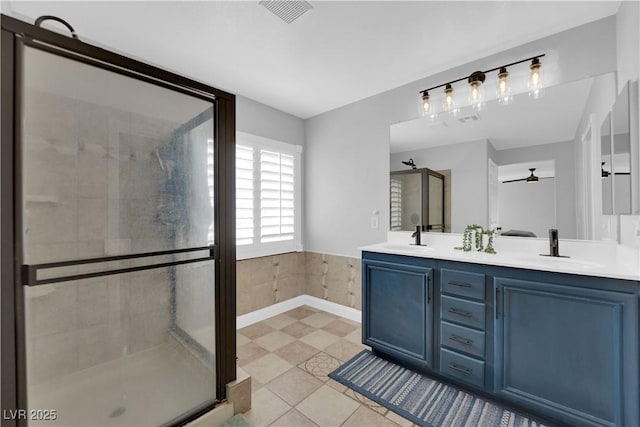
point(529, 133)
point(616, 158)
point(526, 195)
point(418, 198)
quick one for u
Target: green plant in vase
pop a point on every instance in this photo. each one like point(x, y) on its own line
point(474, 233)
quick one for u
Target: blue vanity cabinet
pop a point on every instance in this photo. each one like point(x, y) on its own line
point(398, 307)
point(568, 352)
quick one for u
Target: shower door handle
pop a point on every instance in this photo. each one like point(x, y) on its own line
point(30, 271)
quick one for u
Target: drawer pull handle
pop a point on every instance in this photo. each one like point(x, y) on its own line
point(460, 313)
point(461, 340)
point(460, 284)
point(463, 370)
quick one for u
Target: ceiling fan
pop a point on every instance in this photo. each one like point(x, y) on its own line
point(530, 179)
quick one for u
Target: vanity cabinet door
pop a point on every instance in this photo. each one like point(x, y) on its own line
point(397, 310)
point(567, 352)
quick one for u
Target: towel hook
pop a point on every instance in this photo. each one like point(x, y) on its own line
point(43, 18)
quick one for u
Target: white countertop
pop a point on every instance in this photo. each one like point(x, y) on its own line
point(588, 258)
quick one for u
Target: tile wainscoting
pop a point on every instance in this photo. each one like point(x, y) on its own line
point(265, 281)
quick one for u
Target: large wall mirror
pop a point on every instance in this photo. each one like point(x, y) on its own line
point(514, 167)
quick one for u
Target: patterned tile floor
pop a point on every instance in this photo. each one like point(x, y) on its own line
point(289, 356)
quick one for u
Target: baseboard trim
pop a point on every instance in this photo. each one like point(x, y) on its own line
point(280, 307)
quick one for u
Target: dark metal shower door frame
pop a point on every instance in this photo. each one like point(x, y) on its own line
point(14, 274)
point(424, 182)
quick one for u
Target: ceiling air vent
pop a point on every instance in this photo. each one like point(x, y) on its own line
point(287, 10)
point(467, 119)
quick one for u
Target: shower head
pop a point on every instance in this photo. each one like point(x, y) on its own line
point(409, 163)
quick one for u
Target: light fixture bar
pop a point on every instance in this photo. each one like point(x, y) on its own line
point(485, 72)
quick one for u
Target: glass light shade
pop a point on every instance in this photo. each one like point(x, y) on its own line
point(426, 104)
point(503, 90)
point(428, 109)
point(535, 79)
point(449, 104)
point(476, 95)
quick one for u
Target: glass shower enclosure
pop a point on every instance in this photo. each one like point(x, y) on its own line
point(117, 275)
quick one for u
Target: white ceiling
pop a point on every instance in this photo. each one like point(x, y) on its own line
point(335, 54)
point(527, 121)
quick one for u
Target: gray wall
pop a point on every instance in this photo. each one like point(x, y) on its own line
point(468, 164)
point(529, 207)
point(261, 120)
point(564, 156)
point(347, 172)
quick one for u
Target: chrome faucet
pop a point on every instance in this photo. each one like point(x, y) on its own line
point(417, 235)
point(554, 249)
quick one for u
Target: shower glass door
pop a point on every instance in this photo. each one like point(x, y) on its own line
point(117, 244)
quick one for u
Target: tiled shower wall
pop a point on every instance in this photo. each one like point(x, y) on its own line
point(264, 281)
point(92, 185)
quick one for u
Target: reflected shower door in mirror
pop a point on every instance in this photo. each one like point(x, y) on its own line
point(524, 133)
point(417, 198)
point(617, 186)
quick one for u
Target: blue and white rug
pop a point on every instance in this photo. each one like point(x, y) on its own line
point(424, 401)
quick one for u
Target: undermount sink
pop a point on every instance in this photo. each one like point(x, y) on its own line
point(560, 261)
point(408, 247)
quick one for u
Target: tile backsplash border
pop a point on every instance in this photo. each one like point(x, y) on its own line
point(265, 281)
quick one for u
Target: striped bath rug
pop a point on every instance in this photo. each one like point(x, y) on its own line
point(424, 401)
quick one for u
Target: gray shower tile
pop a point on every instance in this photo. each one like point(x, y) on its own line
point(92, 219)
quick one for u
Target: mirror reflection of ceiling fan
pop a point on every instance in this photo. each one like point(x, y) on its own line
point(605, 174)
point(530, 179)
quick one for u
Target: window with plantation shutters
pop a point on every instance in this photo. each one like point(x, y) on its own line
point(276, 197)
point(267, 196)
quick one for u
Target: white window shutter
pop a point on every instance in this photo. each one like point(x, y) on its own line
point(244, 195)
point(277, 197)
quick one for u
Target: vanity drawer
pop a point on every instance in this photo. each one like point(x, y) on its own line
point(462, 339)
point(463, 283)
point(462, 367)
point(462, 311)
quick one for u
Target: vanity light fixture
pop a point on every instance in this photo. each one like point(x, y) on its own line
point(476, 81)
